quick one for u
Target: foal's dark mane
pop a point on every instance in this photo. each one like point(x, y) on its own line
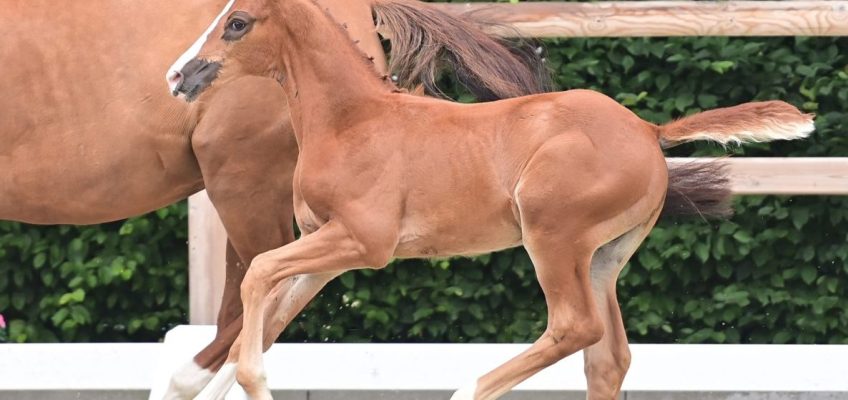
point(367, 60)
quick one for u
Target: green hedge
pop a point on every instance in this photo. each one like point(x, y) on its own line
point(775, 273)
point(123, 281)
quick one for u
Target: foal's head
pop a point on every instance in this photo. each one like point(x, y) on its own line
point(239, 42)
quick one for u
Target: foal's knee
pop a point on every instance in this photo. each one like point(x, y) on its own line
point(258, 275)
point(575, 336)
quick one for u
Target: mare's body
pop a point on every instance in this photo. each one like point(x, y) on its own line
point(86, 138)
point(88, 132)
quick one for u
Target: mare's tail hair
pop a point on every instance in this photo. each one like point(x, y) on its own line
point(424, 38)
point(703, 188)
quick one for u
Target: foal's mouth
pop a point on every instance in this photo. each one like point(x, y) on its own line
point(194, 78)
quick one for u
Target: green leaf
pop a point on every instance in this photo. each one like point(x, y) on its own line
point(722, 66)
point(76, 296)
point(808, 274)
point(39, 260)
point(348, 280)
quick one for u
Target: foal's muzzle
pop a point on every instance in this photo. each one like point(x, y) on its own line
point(194, 78)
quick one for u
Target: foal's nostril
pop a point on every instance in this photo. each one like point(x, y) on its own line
point(175, 78)
point(193, 78)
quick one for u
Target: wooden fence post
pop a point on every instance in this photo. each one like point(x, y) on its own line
point(207, 243)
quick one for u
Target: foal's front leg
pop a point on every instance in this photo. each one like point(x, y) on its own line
point(283, 304)
point(331, 249)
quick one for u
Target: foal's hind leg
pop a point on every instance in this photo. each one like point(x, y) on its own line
point(607, 361)
point(573, 320)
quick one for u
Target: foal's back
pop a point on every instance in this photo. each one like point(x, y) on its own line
point(466, 167)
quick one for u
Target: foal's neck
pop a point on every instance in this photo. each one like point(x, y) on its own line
point(328, 77)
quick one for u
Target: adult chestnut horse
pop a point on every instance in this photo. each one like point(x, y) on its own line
point(575, 177)
point(89, 135)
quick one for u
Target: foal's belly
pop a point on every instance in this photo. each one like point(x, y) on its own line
point(466, 231)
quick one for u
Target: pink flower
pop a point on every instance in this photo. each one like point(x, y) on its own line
point(2, 322)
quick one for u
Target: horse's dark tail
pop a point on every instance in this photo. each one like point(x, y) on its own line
point(424, 38)
point(700, 188)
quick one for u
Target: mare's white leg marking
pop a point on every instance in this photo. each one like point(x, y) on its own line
point(219, 386)
point(187, 382)
point(466, 393)
point(192, 52)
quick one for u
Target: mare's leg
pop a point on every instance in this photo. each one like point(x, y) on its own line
point(195, 374)
point(247, 155)
point(607, 361)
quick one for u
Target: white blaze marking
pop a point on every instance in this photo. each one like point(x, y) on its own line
point(193, 51)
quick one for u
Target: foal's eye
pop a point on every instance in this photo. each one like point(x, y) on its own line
point(237, 25)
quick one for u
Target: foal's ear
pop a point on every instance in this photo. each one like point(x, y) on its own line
point(238, 25)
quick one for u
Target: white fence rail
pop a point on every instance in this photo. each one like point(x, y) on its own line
point(394, 369)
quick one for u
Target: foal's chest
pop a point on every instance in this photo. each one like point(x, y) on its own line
point(315, 188)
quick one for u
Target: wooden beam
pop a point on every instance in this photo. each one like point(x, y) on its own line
point(667, 18)
point(785, 176)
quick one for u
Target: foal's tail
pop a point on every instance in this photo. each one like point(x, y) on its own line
point(700, 188)
point(750, 122)
point(703, 188)
point(423, 38)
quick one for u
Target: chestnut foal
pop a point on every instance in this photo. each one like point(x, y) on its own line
point(575, 177)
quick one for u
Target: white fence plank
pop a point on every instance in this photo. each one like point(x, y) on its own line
point(320, 366)
point(709, 368)
point(113, 366)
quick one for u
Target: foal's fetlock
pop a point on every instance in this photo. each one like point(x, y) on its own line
point(253, 380)
point(604, 380)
